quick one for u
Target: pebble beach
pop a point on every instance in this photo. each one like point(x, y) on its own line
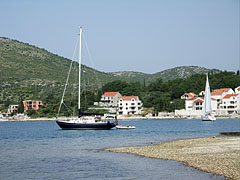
point(217, 155)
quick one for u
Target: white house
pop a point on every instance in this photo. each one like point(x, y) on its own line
point(188, 95)
point(230, 104)
point(224, 101)
point(237, 90)
point(196, 104)
point(110, 99)
point(129, 105)
point(12, 109)
point(218, 94)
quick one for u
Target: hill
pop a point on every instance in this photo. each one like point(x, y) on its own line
point(29, 72)
point(169, 74)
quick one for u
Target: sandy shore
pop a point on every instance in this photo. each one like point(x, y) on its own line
point(220, 156)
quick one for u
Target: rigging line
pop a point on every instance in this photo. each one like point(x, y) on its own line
point(69, 71)
point(68, 109)
point(91, 61)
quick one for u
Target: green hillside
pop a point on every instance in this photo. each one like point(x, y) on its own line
point(29, 72)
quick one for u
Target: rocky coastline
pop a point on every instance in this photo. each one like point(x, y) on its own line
point(219, 155)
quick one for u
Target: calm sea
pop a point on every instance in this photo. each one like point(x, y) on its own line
point(41, 150)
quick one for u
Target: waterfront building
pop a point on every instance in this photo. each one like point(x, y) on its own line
point(32, 104)
point(196, 104)
point(12, 109)
point(128, 105)
point(110, 99)
point(224, 101)
point(188, 95)
point(218, 94)
point(230, 104)
point(237, 90)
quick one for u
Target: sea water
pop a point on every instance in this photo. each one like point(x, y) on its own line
point(41, 150)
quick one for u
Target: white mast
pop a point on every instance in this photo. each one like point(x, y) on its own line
point(79, 67)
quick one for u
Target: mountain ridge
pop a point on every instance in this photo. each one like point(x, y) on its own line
point(25, 64)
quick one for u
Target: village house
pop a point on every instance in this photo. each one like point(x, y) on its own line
point(12, 109)
point(196, 104)
point(230, 104)
point(237, 90)
point(188, 95)
point(224, 101)
point(32, 104)
point(129, 105)
point(110, 99)
point(218, 94)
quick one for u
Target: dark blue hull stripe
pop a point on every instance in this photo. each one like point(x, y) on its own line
point(80, 126)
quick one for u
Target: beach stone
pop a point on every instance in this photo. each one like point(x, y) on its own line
point(218, 155)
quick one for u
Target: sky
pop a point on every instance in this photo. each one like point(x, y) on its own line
point(146, 36)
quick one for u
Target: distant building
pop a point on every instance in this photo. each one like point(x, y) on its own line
point(224, 101)
point(188, 95)
point(196, 104)
point(129, 105)
point(237, 90)
point(32, 104)
point(230, 104)
point(202, 93)
point(109, 99)
point(218, 94)
point(13, 109)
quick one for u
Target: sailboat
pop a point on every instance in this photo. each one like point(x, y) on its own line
point(207, 109)
point(85, 120)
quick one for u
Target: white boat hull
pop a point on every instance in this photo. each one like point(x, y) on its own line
point(209, 118)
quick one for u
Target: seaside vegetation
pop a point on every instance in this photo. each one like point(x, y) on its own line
point(31, 73)
point(159, 95)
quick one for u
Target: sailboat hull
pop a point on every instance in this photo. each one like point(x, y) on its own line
point(86, 126)
point(208, 118)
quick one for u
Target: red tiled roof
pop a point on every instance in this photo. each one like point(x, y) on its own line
point(229, 95)
point(128, 98)
point(191, 94)
point(198, 99)
point(110, 93)
point(220, 91)
point(192, 99)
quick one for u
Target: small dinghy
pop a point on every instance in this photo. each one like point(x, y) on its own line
point(125, 127)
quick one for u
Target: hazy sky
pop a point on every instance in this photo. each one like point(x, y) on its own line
point(131, 35)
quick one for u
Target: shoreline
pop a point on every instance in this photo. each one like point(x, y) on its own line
point(220, 156)
point(133, 118)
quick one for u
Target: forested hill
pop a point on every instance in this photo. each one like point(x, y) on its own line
point(29, 72)
point(169, 74)
point(27, 64)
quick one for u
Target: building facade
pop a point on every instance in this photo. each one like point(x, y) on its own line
point(196, 104)
point(32, 104)
point(12, 109)
point(110, 99)
point(188, 95)
point(224, 101)
point(230, 104)
point(129, 105)
point(218, 94)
